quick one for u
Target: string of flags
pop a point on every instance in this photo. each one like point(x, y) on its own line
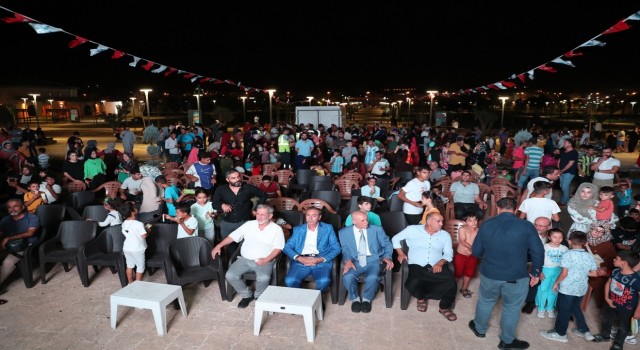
point(157, 68)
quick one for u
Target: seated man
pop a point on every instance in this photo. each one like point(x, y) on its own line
point(263, 242)
point(312, 248)
point(19, 224)
point(270, 187)
point(131, 188)
point(365, 204)
point(363, 247)
point(466, 197)
point(429, 257)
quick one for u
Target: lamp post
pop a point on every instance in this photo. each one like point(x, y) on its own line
point(104, 107)
point(310, 98)
point(197, 96)
point(133, 106)
point(432, 94)
point(244, 109)
point(409, 107)
point(504, 99)
point(35, 106)
point(399, 108)
point(146, 99)
point(270, 91)
point(633, 104)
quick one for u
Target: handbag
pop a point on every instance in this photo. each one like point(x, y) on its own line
point(597, 258)
point(16, 245)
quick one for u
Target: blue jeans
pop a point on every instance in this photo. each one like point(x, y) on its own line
point(565, 185)
point(321, 274)
point(513, 296)
point(568, 305)
point(527, 174)
point(371, 280)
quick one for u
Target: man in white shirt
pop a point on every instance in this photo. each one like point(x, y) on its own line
point(411, 195)
point(466, 197)
point(380, 166)
point(171, 146)
point(131, 188)
point(538, 206)
point(605, 168)
point(263, 242)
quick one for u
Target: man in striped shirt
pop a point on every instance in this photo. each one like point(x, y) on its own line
point(533, 155)
point(585, 174)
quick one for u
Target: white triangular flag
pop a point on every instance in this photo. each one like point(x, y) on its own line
point(561, 61)
point(530, 73)
point(635, 16)
point(159, 69)
point(196, 78)
point(593, 43)
point(135, 61)
point(98, 49)
point(44, 28)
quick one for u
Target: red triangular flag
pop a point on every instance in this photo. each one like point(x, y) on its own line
point(117, 54)
point(17, 18)
point(618, 27)
point(522, 77)
point(77, 41)
point(493, 87)
point(546, 68)
point(148, 65)
point(572, 54)
point(218, 81)
point(205, 79)
point(189, 75)
point(170, 71)
point(509, 84)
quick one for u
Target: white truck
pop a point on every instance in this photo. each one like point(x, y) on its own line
point(325, 115)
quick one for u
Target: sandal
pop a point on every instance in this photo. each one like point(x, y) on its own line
point(448, 314)
point(466, 293)
point(3, 301)
point(422, 305)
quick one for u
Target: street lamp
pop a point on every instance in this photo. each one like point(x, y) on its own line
point(146, 98)
point(35, 105)
point(309, 98)
point(214, 104)
point(633, 104)
point(432, 94)
point(504, 99)
point(270, 91)
point(409, 107)
point(133, 106)
point(399, 108)
point(104, 107)
point(244, 109)
point(197, 96)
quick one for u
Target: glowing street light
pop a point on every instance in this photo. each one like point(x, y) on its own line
point(244, 109)
point(432, 94)
point(146, 98)
point(197, 96)
point(271, 91)
point(399, 108)
point(504, 99)
point(310, 98)
point(633, 104)
point(133, 106)
point(35, 105)
point(409, 107)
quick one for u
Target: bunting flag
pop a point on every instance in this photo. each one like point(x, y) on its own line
point(17, 18)
point(635, 16)
point(77, 42)
point(147, 66)
point(159, 69)
point(117, 54)
point(571, 54)
point(170, 71)
point(593, 42)
point(135, 61)
point(618, 27)
point(559, 60)
point(44, 28)
point(97, 50)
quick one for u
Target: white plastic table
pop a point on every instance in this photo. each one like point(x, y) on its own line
point(148, 295)
point(297, 301)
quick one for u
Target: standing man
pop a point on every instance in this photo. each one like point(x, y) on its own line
point(585, 173)
point(568, 169)
point(429, 257)
point(284, 148)
point(411, 195)
point(263, 242)
point(458, 153)
point(549, 174)
point(542, 226)
point(128, 138)
point(533, 155)
point(633, 139)
point(234, 202)
point(504, 242)
point(304, 147)
point(311, 248)
point(363, 247)
point(171, 148)
point(466, 197)
point(605, 168)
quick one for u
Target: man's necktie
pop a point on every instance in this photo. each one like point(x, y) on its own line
point(362, 250)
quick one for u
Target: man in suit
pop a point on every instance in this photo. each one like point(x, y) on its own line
point(363, 247)
point(312, 248)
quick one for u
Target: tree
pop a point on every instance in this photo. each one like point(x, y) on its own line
point(486, 119)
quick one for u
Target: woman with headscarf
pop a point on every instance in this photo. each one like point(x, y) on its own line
point(111, 157)
point(150, 191)
point(355, 166)
point(95, 170)
point(126, 164)
point(578, 207)
point(599, 243)
point(11, 156)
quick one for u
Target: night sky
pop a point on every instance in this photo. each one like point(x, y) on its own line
point(313, 47)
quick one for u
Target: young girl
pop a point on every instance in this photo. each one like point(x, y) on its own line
point(135, 241)
point(624, 197)
point(114, 217)
point(204, 213)
point(463, 261)
point(553, 250)
point(427, 199)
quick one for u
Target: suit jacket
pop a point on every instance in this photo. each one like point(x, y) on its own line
point(379, 244)
point(328, 245)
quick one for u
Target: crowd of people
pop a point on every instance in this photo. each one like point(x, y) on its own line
point(525, 255)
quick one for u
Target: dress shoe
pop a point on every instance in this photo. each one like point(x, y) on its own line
point(356, 306)
point(244, 303)
point(472, 326)
point(515, 344)
point(528, 308)
point(366, 306)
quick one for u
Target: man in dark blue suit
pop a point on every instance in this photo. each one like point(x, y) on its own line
point(363, 247)
point(312, 248)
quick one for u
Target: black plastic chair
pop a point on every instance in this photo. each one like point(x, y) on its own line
point(383, 183)
point(150, 217)
point(386, 285)
point(300, 182)
point(95, 212)
point(332, 219)
point(330, 196)
point(251, 276)
point(293, 217)
point(190, 262)
point(79, 200)
point(104, 250)
point(395, 203)
point(158, 245)
point(405, 176)
point(50, 216)
point(393, 222)
point(335, 278)
point(65, 246)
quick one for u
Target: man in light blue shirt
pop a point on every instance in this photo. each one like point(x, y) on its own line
point(304, 146)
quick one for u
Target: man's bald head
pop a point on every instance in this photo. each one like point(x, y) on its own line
point(542, 225)
point(360, 219)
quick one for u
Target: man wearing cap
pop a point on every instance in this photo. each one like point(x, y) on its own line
point(458, 153)
point(304, 146)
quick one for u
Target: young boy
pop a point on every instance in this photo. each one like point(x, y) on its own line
point(537, 205)
point(625, 233)
point(187, 224)
point(43, 158)
point(33, 198)
point(51, 190)
point(577, 266)
point(621, 296)
point(270, 187)
point(604, 210)
point(365, 204)
point(171, 194)
point(337, 163)
point(624, 197)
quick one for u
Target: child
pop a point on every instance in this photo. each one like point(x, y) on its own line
point(537, 205)
point(187, 224)
point(204, 213)
point(621, 296)
point(604, 210)
point(134, 242)
point(428, 200)
point(577, 266)
point(625, 233)
point(318, 169)
point(114, 217)
point(553, 251)
point(365, 204)
point(270, 187)
point(51, 190)
point(503, 173)
point(33, 197)
point(171, 194)
point(463, 261)
point(336, 163)
point(624, 197)
point(43, 158)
